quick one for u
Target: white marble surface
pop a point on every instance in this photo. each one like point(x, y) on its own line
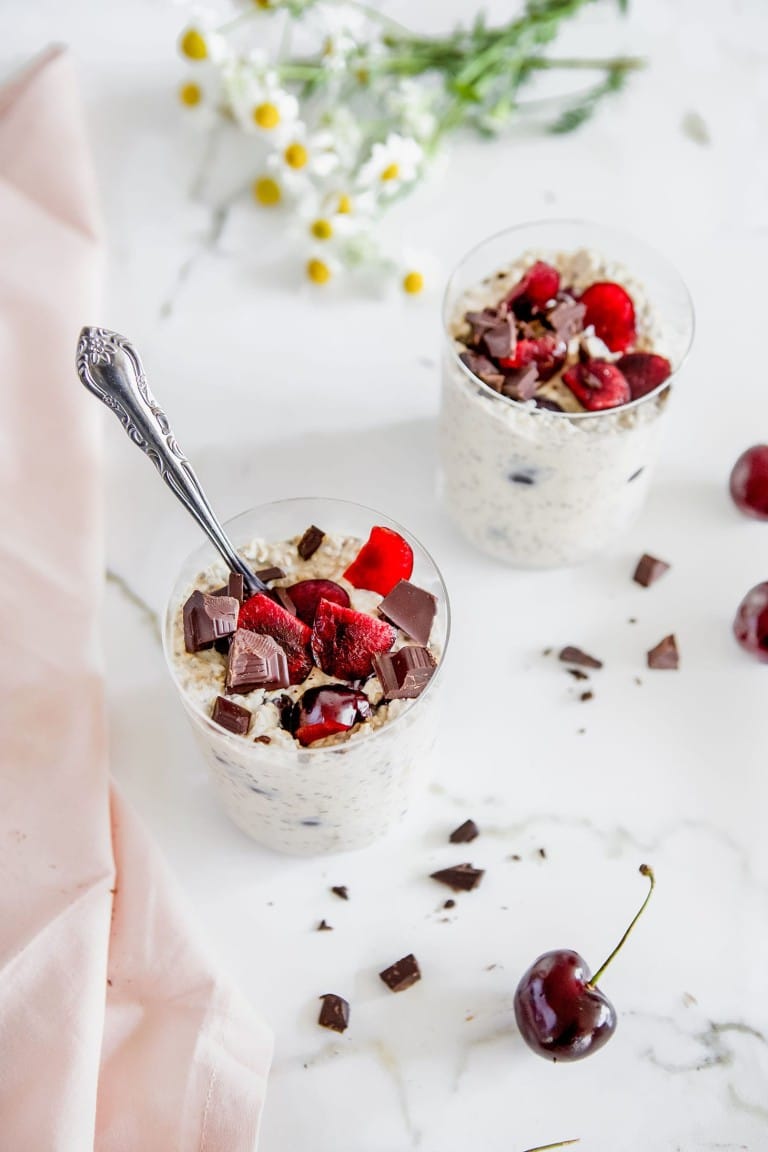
point(310, 391)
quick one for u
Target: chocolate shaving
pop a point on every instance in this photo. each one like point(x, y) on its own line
point(324, 926)
point(461, 878)
point(577, 673)
point(341, 891)
point(231, 716)
point(411, 608)
point(208, 618)
point(334, 1013)
point(310, 542)
point(483, 368)
point(665, 655)
point(404, 674)
point(586, 696)
point(571, 655)
point(649, 569)
point(402, 974)
point(255, 661)
point(521, 383)
point(465, 833)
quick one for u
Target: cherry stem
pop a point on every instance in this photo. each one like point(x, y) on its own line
point(547, 1147)
point(645, 870)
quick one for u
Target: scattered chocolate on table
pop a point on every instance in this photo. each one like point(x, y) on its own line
point(573, 655)
point(665, 655)
point(402, 974)
point(649, 569)
point(334, 1012)
point(465, 833)
point(461, 878)
point(341, 891)
point(324, 926)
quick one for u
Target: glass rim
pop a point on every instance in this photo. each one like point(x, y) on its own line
point(526, 405)
point(261, 749)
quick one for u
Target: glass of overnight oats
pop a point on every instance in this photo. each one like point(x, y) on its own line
point(314, 703)
point(563, 341)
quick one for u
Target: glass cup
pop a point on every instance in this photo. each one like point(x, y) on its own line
point(537, 488)
point(307, 801)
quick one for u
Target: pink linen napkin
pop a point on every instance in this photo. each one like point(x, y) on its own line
point(116, 1033)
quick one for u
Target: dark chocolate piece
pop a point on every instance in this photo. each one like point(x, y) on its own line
point(404, 674)
point(284, 705)
point(334, 1013)
point(231, 716)
point(480, 323)
point(500, 339)
point(402, 974)
point(411, 608)
point(542, 853)
point(282, 597)
point(449, 904)
point(586, 696)
point(571, 655)
point(550, 405)
point(521, 383)
point(263, 739)
point(255, 661)
point(341, 891)
point(222, 645)
point(567, 318)
point(324, 926)
point(235, 586)
point(461, 878)
point(665, 654)
point(649, 569)
point(273, 573)
point(465, 833)
point(483, 368)
point(577, 673)
point(207, 619)
point(310, 542)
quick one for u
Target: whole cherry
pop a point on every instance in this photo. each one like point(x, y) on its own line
point(750, 626)
point(560, 1011)
point(749, 482)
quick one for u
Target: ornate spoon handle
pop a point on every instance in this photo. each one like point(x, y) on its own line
point(109, 367)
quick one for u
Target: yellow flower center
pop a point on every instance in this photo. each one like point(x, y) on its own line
point(391, 172)
point(344, 206)
point(413, 283)
point(328, 46)
point(267, 191)
point(267, 116)
point(296, 155)
point(263, 3)
point(193, 45)
point(190, 94)
point(318, 271)
point(321, 229)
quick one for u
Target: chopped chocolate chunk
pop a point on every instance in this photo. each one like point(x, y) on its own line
point(577, 673)
point(262, 739)
point(283, 597)
point(484, 368)
point(222, 645)
point(255, 661)
point(571, 655)
point(334, 1013)
point(567, 318)
point(404, 674)
point(550, 405)
point(324, 926)
point(465, 833)
point(480, 323)
point(462, 877)
point(522, 478)
point(649, 569)
point(402, 974)
point(541, 853)
point(586, 696)
point(516, 857)
point(310, 542)
point(341, 891)
point(235, 586)
point(272, 573)
point(231, 716)
point(449, 904)
point(500, 338)
point(521, 383)
point(411, 608)
point(665, 654)
point(207, 618)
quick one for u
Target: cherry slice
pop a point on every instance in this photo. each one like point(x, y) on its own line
point(597, 385)
point(344, 641)
point(546, 352)
point(307, 594)
point(384, 560)
point(644, 371)
point(611, 311)
point(537, 287)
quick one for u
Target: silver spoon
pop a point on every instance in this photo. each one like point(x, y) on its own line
point(109, 367)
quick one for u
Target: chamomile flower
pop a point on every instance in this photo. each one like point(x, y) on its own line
point(321, 268)
point(302, 156)
point(260, 103)
point(413, 106)
point(417, 274)
point(394, 163)
point(201, 40)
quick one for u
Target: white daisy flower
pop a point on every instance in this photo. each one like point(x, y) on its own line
point(304, 155)
point(413, 106)
point(260, 104)
point(201, 40)
point(418, 273)
point(392, 164)
point(199, 93)
point(322, 267)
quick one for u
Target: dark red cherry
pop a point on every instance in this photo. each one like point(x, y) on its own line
point(749, 482)
point(307, 594)
point(327, 710)
point(751, 624)
point(560, 1011)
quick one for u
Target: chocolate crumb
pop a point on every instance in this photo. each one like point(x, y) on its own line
point(572, 655)
point(632, 620)
point(334, 1013)
point(516, 857)
point(542, 852)
point(638, 680)
point(263, 739)
point(546, 652)
point(449, 904)
point(635, 475)
point(577, 673)
point(341, 891)
point(462, 877)
point(465, 833)
point(649, 569)
point(324, 926)
point(522, 478)
point(310, 542)
point(586, 696)
point(581, 731)
point(402, 974)
point(665, 655)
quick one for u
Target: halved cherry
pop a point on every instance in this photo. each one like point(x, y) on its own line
point(597, 384)
point(384, 560)
point(327, 710)
point(307, 594)
point(547, 352)
point(611, 312)
point(537, 287)
point(344, 641)
point(644, 371)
